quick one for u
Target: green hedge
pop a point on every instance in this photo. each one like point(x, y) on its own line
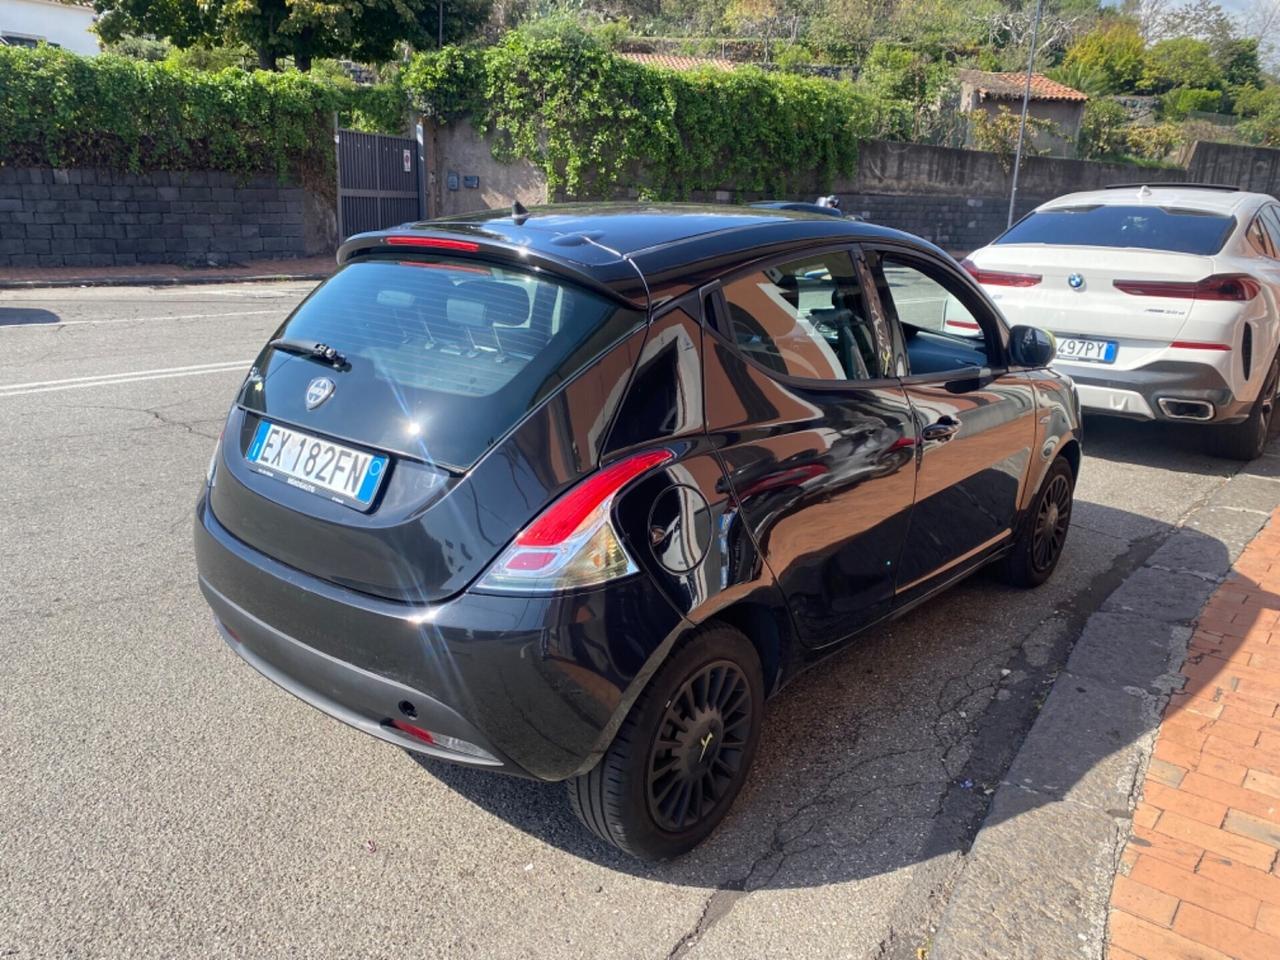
point(591, 119)
point(59, 109)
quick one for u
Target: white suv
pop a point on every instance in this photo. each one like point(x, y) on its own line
point(1163, 297)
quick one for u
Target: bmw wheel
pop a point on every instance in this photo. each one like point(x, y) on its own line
point(1246, 440)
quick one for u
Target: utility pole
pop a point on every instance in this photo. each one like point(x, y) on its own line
point(439, 24)
point(1026, 100)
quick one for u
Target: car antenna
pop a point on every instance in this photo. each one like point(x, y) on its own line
point(518, 213)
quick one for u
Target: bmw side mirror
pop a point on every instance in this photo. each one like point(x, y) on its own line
point(1031, 346)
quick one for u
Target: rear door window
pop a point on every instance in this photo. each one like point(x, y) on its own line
point(1270, 218)
point(805, 318)
point(460, 349)
point(1259, 238)
point(1172, 229)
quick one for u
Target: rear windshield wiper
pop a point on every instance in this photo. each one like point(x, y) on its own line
point(316, 351)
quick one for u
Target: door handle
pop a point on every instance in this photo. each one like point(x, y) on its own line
point(944, 429)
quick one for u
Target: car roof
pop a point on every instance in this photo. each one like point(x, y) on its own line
point(1208, 198)
point(675, 247)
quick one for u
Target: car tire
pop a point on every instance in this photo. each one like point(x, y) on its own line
point(662, 786)
point(1042, 533)
point(1247, 440)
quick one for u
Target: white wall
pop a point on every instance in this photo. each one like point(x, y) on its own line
point(58, 23)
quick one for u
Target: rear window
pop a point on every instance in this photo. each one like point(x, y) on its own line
point(1171, 229)
point(465, 349)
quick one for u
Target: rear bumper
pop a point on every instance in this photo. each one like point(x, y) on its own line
point(1138, 394)
point(539, 684)
point(357, 697)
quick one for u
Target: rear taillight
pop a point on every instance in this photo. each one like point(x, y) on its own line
point(434, 243)
point(573, 542)
point(1000, 278)
point(443, 741)
point(1238, 287)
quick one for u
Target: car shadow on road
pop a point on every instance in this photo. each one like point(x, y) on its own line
point(1184, 447)
point(890, 753)
point(24, 316)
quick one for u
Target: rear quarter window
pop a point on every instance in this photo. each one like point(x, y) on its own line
point(1142, 227)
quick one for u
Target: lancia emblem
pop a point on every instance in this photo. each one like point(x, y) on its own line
point(1075, 281)
point(318, 391)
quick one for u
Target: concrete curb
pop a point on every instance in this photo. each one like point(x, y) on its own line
point(1037, 880)
point(165, 280)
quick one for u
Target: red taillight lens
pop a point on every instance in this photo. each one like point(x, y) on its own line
point(573, 542)
point(416, 732)
point(1199, 345)
point(434, 243)
point(1000, 278)
point(1237, 287)
point(443, 741)
point(566, 514)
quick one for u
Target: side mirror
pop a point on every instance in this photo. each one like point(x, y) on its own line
point(1031, 346)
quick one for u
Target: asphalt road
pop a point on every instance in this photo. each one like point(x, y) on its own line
point(159, 799)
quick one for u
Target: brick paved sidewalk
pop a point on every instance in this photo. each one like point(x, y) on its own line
point(154, 273)
point(1199, 876)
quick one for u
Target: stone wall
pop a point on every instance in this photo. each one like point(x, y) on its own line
point(959, 199)
point(89, 218)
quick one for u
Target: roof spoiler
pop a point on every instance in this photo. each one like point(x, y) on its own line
point(1173, 184)
point(411, 239)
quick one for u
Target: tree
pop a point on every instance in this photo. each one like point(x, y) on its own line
point(1240, 63)
point(1181, 62)
point(365, 30)
point(1113, 51)
point(1260, 18)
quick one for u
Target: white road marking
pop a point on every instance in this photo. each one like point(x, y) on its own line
point(190, 316)
point(110, 379)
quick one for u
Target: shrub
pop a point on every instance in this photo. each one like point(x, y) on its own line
point(588, 118)
point(998, 133)
point(1154, 143)
point(58, 109)
point(1103, 132)
point(1178, 104)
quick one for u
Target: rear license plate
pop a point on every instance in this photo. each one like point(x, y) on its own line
point(317, 466)
point(1093, 351)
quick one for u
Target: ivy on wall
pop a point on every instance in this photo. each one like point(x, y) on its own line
point(58, 109)
point(591, 120)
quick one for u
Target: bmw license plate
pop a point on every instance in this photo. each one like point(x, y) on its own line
point(317, 466)
point(1092, 351)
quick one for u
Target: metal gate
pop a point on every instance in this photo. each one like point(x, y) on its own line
point(380, 182)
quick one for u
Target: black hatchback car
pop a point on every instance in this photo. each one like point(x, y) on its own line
point(569, 494)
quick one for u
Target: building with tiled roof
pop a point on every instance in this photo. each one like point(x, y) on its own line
point(1009, 86)
point(666, 61)
point(1063, 106)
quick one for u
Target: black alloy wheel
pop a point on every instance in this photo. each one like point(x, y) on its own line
point(700, 747)
point(1042, 532)
point(682, 753)
point(1052, 520)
